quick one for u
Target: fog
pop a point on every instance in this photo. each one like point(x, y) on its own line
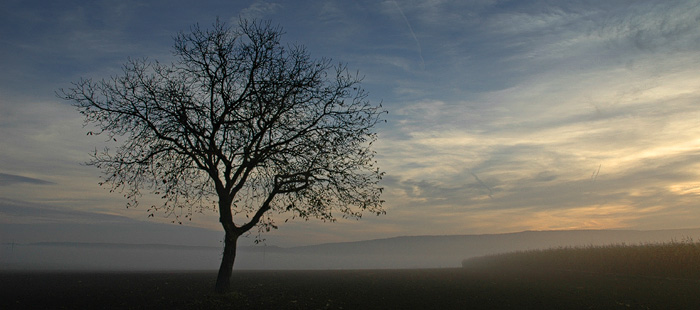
point(399, 252)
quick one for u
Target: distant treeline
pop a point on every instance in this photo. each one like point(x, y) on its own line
point(674, 259)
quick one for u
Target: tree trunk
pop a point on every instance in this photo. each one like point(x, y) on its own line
point(223, 280)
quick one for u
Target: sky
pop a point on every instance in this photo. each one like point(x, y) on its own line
point(504, 116)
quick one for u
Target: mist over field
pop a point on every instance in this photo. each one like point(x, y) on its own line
point(390, 253)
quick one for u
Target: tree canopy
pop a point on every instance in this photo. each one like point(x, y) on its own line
point(241, 123)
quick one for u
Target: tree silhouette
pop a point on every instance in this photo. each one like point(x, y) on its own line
point(240, 123)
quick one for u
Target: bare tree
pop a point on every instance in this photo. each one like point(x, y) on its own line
point(240, 123)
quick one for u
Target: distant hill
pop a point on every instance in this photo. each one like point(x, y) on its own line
point(490, 243)
point(117, 245)
point(148, 246)
point(448, 251)
point(397, 252)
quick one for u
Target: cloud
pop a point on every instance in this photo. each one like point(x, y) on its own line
point(554, 198)
point(519, 104)
point(18, 211)
point(26, 222)
point(655, 26)
point(576, 94)
point(10, 179)
point(257, 10)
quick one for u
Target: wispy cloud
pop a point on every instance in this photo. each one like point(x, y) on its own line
point(413, 33)
point(8, 179)
point(259, 9)
point(18, 211)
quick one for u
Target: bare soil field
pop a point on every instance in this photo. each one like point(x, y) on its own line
point(450, 288)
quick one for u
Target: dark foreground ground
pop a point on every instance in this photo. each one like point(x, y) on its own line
point(347, 289)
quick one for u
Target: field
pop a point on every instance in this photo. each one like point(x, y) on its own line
point(659, 276)
point(358, 289)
